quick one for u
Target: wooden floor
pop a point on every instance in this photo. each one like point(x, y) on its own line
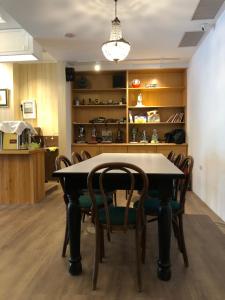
point(31, 266)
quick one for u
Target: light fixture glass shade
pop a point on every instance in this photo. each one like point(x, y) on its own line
point(116, 48)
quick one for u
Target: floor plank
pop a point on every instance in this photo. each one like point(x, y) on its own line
point(31, 266)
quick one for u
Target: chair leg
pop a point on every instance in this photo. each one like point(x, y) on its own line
point(96, 259)
point(115, 198)
point(177, 232)
point(181, 231)
point(83, 217)
point(143, 244)
point(66, 240)
point(138, 259)
point(102, 246)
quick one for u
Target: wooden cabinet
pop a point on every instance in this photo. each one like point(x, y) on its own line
point(99, 95)
point(22, 176)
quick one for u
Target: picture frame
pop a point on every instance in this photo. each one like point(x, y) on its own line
point(4, 101)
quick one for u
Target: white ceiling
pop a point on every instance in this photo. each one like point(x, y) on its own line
point(153, 28)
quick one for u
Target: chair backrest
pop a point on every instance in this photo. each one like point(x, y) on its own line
point(171, 156)
point(76, 158)
point(62, 161)
point(131, 171)
point(178, 160)
point(85, 154)
point(186, 167)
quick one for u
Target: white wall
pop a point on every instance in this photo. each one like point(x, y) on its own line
point(206, 118)
point(6, 82)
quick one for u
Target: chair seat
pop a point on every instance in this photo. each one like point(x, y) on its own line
point(153, 193)
point(151, 205)
point(86, 203)
point(116, 215)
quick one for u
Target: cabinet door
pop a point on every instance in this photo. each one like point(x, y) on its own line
point(113, 149)
point(178, 149)
point(141, 148)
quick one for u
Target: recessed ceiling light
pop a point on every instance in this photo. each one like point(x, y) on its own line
point(2, 20)
point(70, 35)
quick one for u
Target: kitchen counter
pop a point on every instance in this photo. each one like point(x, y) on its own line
point(22, 176)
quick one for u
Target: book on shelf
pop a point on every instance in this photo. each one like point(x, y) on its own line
point(176, 118)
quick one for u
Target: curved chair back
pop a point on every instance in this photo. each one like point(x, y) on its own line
point(186, 167)
point(178, 160)
point(76, 158)
point(62, 161)
point(171, 156)
point(104, 176)
point(85, 155)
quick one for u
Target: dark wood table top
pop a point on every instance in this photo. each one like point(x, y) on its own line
point(151, 163)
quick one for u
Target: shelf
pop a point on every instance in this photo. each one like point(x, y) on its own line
point(156, 106)
point(99, 90)
point(163, 88)
point(101, 105)
point(128, 144)
point(75, 123)
point(157, 123)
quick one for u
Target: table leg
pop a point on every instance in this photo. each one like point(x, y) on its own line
point(164, 232)
point(74, 226)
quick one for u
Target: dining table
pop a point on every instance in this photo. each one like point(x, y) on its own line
point(161, 173)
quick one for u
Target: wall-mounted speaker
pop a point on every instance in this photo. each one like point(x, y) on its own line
point(70, 74)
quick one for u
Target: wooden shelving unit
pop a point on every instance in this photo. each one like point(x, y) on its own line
point(101, 98)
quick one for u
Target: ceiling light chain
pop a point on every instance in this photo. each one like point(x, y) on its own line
point(116, 49)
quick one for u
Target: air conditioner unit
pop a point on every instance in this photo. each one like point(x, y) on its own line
point(18, 45)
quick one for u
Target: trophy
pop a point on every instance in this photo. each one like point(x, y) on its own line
point(93, 136)
point(81, 135)
point(119, 137)
point(144, 138)
point(134, 135)
point(154, 139)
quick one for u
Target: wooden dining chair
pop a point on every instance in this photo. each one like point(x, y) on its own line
point(85, 154)
point(113, 219)
point(76, 158)
point(151, 206)
point(84, 200)
point(171, 156)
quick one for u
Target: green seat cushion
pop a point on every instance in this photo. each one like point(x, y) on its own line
point(86, 203)
point(153, 193)
point(152, 205)
point(116, 215)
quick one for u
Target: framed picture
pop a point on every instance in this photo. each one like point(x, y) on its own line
point(4, 98)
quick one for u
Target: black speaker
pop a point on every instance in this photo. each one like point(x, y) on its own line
point(119, 80)
point(70, 74)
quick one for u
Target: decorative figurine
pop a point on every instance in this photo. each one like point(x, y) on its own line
point(154, 139)
point(134, 135)
point(107, 136)
point(144, 138)
point(81, 135)
point(93, 136)
point(77, 101)
point(139, 100)
point(136, 83)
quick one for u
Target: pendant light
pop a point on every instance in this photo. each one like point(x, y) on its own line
point(116, 48)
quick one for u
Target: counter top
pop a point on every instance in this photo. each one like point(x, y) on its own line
point(20, 152)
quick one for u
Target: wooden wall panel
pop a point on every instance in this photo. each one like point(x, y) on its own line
point(39, 82)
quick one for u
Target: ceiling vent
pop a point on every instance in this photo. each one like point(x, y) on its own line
point(191, 39)
point(207, 9)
